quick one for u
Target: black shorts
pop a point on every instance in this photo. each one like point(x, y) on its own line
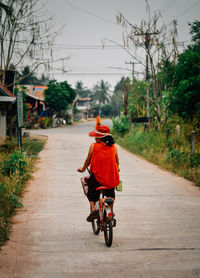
point(93, 194)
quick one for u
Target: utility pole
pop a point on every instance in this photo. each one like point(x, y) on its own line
point(131, 63)
point(131, 114)
point(147, 35)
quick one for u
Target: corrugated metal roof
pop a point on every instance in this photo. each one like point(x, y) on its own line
point(35, 97)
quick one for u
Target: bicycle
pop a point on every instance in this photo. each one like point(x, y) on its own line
point(105, 220)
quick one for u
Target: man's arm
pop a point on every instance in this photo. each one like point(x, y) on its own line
point(87, 161)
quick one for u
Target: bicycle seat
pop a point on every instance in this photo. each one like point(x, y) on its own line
point(103, 187)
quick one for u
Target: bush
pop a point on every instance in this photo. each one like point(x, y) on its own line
point(121, 125)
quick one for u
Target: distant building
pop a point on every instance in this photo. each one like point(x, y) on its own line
point(7, 100)
point(82, 105)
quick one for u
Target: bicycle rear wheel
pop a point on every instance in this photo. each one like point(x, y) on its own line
point(95, 225)
point(108, 231)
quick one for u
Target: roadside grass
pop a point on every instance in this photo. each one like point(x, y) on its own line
point(172, 154)
point(16, 168)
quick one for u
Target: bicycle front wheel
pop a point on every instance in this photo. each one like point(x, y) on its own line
point(108, 232)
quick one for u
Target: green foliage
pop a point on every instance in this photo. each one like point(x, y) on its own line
point(119, 98)
point(185, 94)
point(121, 125)
point(14, 173)
point(107, 110)
point(172, 154)
point(17, 162)
point(195, 31)
point(116, 102)
point(33, 145)
point(137, 99)
point(8, 202)
point(59, 95)
point(177, 157)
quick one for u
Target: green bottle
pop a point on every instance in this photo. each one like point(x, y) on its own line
point(119, 187)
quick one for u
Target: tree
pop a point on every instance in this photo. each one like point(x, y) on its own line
point(107, 110)
point(29, 78)
point(120, 96)
point(137, 99)
point(158, 44)
point(100, 93)
point(59, 95)
point(26, 36)
point(44, 80)
point(185, 98)
point(81, 90)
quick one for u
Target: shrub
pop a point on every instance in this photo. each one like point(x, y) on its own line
point(121, 125)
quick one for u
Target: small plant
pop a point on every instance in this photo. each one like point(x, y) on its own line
point(45, 122)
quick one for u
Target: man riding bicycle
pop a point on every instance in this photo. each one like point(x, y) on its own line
point(104, 167)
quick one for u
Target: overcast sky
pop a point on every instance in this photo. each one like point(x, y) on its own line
point(88, 22)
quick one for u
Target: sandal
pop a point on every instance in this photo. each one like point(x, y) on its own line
point(93, 215)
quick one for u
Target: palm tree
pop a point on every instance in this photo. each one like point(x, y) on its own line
point(81, 90)
point(101, 93)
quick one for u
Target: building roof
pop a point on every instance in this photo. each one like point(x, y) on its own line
point(34, 97)
point(7, 99)
point(5, 92)
point(83, 99)
point(34, 90)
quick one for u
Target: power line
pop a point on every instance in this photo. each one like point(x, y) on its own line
point(88, 12)
point(187, 10)
point(93, 74)
point(99, 46)
point(168, 5)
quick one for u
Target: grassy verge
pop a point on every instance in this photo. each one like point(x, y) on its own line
point(172, 154)
point(15, 170)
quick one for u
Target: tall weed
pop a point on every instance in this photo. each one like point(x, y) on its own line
point(170, 152)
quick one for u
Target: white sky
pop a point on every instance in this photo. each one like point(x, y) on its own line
point(88, 22)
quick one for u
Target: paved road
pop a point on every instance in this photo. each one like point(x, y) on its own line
point(158, 223)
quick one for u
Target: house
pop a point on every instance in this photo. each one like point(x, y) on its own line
point(7, 100)
point(83, 107)
point(35, 99)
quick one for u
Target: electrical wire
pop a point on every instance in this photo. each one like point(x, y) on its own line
point(168, 5)
point(187, 10)
point(94, 74)
point(88, 12)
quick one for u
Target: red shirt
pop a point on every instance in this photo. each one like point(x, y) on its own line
point(104, 166)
